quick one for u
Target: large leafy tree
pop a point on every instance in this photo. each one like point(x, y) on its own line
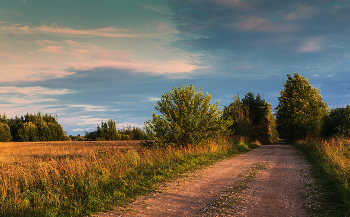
point(300, 110)
point(187, 118)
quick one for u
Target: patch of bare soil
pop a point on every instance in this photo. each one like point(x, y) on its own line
point(276, 189)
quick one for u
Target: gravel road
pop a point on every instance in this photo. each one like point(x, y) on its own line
point(276, 190)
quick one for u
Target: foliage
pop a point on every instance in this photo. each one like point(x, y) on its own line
point(252, 117)
point(76, 184)
point(5, 133)
point(331, 167)
point(239, 113)
point(187, 118)
point(34, 127)
point(300, 110)
point(337, 123)
point(108, 132)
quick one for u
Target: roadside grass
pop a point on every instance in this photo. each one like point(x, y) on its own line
point(96, 177)
point(330, 160)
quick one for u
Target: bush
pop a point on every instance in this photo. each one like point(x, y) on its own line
point(187, 118)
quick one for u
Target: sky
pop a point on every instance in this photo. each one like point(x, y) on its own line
point(87, 61)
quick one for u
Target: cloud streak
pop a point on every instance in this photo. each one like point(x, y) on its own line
point(54, 29)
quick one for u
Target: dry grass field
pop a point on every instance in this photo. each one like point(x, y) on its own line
point(80, 177)
point(12, 152)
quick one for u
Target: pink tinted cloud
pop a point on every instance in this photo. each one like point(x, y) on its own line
point(165, 67)
point(162, 26)
point(52, 49)
point(111, 55)
point(311, 45)
point(44, 42)
point(253, 23)
point(57, 30)
point(73, 44)
point(5, 56)
point(301, 12)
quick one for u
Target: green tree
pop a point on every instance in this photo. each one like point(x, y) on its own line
point(239, 113)
point(5, 133)
point(28, 133)
point(252, 117)
point(300, 110)
point(187, 118)
point(337, 122)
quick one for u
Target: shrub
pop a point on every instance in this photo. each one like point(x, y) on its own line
point(187, 118)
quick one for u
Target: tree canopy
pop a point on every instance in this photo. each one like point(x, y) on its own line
point(187, 118)
point(252, 117)
point(300, 110)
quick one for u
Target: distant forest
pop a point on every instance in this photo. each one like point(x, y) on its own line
point(38, 127)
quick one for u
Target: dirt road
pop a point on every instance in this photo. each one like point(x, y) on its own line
point(267, 181)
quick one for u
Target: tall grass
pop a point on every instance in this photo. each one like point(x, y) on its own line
point(331, 159)
point(80, 182)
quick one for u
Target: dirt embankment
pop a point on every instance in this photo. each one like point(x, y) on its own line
point(228, 188)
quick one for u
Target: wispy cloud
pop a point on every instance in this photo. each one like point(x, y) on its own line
point(311, 45)
point(301, 12)
point(59, 30)
point(52, 49)
point(234, 3)
point(254, 23)
point(153, 67)
point(162, 26)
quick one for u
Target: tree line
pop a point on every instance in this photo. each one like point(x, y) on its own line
point(187, 117)
point(30, 128)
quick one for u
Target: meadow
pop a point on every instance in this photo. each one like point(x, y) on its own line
point(80, 178)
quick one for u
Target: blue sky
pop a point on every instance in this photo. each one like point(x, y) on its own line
point(88, 61)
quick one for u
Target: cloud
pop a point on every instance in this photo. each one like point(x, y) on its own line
point(301, 12)
point(57, 30)
point(254, 23)
point(311, 45)
point(153, 67)
point(73, 44)
point(52, 49)
point(234, 3)
point(162, 26)
point(5, 56)
point(111, 55)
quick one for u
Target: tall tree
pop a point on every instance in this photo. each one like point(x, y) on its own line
point(300, 109)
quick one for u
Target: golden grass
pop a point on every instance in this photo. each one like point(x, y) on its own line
point(76, 178)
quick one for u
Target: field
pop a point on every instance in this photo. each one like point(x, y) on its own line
point(79, 178)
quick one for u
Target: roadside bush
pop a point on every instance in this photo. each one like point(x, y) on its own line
point(187, 118)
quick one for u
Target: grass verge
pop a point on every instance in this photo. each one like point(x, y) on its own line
point(330, 160)
point(104, 177)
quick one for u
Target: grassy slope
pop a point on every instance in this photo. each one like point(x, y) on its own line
point(96, 179)
point(330, 160)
